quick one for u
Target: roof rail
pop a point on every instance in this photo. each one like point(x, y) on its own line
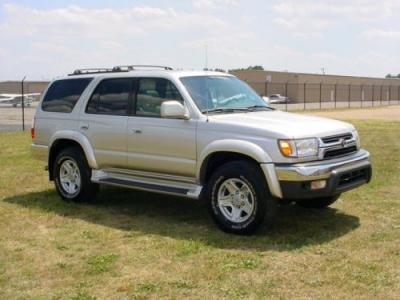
point(94, 71)
point(126, 68)
point(132, 67)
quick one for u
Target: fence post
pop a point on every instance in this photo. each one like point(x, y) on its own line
point(320, 95)
point(362, 95)
point(398, 94)
point(390, 93)
point(380, 98)
point(265, 88)
point(304, 98)
point(373, 94)
point(23, 103)
point(286, 94)
point(335, 93)
point(348, 105)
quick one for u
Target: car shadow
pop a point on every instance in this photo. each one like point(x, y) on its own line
point(149, 213)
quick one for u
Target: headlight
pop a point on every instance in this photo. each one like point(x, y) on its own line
point(299, 148)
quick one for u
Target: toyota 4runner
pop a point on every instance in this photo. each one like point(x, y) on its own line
point(202, 135)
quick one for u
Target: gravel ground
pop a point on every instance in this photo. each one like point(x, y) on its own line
point(389, 113)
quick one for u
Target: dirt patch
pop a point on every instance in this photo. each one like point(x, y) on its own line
point(387, 113)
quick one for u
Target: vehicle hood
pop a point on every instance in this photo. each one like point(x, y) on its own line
point(288, 125)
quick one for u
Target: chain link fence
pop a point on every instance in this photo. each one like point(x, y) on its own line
point(17, 110)
point(302, 96)
point(18, 102)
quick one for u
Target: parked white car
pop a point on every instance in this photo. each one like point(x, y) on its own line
point(277, 98)
point(201, 135)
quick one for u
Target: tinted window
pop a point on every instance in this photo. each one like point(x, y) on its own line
point(151, 93)
point(63, 94)
point(111, 97)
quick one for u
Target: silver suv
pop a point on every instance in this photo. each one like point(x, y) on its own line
point(202, 135)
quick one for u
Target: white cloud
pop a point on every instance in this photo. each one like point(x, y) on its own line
point(48, 42)
point(74, 20)
point(381, 34)
point(56, 40)
point(307, 18)
point(214, 4)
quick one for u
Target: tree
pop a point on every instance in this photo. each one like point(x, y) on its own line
point(256, 67)
point(261, 68)
point(392, 76)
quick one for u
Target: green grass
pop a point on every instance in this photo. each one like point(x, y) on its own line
point(136, 245)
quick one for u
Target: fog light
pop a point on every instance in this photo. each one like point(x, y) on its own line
point(318, 184)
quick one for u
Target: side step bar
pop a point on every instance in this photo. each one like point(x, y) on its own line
point(181, 189)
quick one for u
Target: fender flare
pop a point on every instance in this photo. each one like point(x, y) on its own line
point(245, 148)
point(236, 146)
point(81, 139)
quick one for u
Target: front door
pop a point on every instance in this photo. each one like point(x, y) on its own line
point(158, 144)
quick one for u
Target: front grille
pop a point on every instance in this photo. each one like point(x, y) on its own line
point(352, 177)
point(340, 152)
point(337, 138)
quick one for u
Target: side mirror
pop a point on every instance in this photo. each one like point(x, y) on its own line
point(173, 109)
point(266, 99)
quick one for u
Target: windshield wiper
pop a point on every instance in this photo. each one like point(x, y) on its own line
point(223, 110)
point(255, 107)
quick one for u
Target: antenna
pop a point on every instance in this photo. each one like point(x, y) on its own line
point(206, 57)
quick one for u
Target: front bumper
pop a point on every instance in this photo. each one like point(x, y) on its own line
point(341, 174)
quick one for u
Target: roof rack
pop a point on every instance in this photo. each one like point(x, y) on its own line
point(132, 67)
point(126, 68)
point(93, 71)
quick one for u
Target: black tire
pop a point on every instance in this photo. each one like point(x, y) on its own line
point(318, 203)
point(264, 207)
point(87, 190)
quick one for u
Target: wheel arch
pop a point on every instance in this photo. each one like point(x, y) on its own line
point(64, 139)
point(226, 150)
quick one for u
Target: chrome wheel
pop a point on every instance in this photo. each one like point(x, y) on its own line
point(70, 177)
point(235, 200)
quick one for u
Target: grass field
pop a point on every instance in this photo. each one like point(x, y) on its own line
point(139, 245)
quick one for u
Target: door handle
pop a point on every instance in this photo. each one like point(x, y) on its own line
point(136, 130)
point(85, 126)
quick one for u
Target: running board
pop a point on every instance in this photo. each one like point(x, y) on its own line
point(182, 189)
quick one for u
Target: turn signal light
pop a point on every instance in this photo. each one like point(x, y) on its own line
point(286, 147)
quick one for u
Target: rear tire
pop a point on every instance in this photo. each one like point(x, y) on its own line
point(318, 203)
point(72, 176)
point(238, 197)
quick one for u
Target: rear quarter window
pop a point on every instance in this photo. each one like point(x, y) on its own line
point(63, 94)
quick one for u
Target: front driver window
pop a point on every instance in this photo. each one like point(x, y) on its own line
point(151, 93)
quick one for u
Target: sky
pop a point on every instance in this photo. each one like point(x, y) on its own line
point(46, 39)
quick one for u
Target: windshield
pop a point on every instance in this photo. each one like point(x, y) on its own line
point(222, 93)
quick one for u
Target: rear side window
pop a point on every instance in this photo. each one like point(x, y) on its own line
point(111, 97)
point(63, 94)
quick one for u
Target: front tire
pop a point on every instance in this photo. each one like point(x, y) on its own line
point(239, 198)
point(72, 176)
point(318, 203)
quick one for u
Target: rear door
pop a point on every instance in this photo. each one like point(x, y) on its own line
point(105, 121)
point(157, 144)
